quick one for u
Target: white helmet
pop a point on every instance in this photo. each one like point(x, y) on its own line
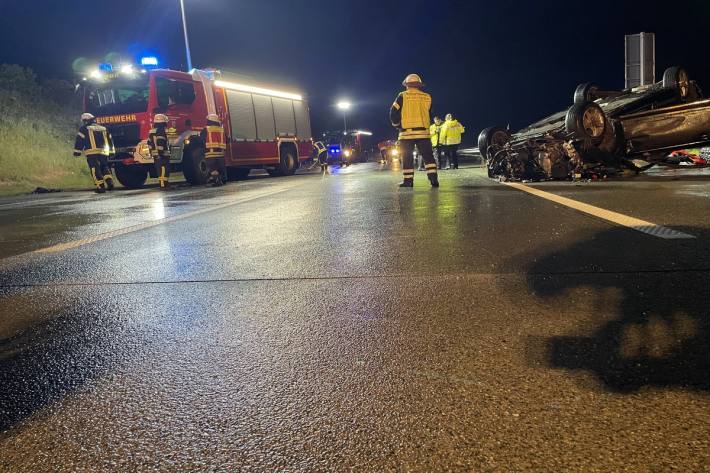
point(212, 117)
point(87, 116)
point(413, 80)
point(160, 118)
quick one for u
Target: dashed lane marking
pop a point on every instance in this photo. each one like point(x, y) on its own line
point(639, 225)
point(135, 228)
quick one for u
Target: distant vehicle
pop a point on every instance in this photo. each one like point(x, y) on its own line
point(389, 151)
point(264, 128)
point(630, 128)
point(344, 149)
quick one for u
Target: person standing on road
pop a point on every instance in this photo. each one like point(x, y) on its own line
point(160, 149)
point(434, 132)
point(94, 141)
point(321, 156)
point(410, 113)
point(215, 145)
point(451, 133)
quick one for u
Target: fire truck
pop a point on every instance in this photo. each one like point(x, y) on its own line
point(264, 127)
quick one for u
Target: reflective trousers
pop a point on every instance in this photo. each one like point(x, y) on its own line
point(162, 168)
point(425, 150)
point(217, 167)
point(98, 166)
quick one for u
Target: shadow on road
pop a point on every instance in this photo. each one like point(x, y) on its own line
point(51, 344)
point(651, 326)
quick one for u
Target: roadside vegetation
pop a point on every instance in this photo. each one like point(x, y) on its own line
point(37, 128)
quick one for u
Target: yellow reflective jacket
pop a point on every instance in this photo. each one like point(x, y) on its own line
point(410, 113)
point(451, 132)
point(434, 133)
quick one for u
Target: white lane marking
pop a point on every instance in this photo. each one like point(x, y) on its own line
point(134, 228)
point(642, 226)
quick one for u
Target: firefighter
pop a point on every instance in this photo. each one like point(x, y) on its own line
point(410, 113)
point(451, 133)
point(160, 149)
point(94, 141)
point(434, 132)
point(321, 155)
point(213, 137)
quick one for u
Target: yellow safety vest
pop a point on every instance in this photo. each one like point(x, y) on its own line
point(451, 132)
point(415, 114)
point(215, 144)
point(434, 131)
point(97, 141)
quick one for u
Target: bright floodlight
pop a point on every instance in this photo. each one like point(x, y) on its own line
point(343, 105)
point(126, 69)
point(363, 132)
point(95, 74)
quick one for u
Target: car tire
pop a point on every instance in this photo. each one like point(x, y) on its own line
point(586, 121)
point(494, 136)
point(585, 93)
point(194, 166)
point(132, 176)
point(238, 174)
point(677, 78)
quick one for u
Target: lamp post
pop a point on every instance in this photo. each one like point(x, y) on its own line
point(184, 30)
point(344, 105)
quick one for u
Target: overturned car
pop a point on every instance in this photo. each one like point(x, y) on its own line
point(603, 131)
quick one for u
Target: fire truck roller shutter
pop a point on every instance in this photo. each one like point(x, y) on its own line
point(264, 111)
point(303, 123)
point(284, 117)
point(241, 114)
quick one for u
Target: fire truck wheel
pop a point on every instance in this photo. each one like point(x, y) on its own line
point(131, 177)
point(287, 166)
point(194, 167)
point(236, 174)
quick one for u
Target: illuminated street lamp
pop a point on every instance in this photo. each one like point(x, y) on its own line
point(344, 105)
point(184, 30)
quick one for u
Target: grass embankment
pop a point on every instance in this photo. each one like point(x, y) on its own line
point(38, 123)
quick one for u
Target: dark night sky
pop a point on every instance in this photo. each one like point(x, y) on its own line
point(489, 62)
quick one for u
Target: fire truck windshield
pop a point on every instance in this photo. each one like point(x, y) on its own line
point(118, 97)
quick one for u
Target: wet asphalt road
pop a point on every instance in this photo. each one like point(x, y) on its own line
point(339, 324)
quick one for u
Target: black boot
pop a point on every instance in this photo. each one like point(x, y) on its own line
point(434, 180)
point(100, 189)
point(407, 183)
point(109, 183)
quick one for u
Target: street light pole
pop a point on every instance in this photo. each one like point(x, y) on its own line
point(345, 122)
point(344, 105)
point(184, 30)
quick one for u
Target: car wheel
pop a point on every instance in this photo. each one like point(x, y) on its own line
point(677, 78)
point(131, 177)
point(492, 139)
point(585, 93)
point(586, 121)
point(194, 167)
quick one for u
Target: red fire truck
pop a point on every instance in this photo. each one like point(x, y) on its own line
point(264, 127)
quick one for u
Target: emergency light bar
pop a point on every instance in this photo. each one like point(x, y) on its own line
point(256, 90)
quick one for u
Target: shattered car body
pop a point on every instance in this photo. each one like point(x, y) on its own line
point(603, 131)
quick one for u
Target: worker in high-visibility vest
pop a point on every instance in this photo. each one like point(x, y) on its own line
point(94, 141)
point(451, 132)
point(160, 149)
point(434, 133)
point(321, 155)
point(215, 146)
point(410, 113)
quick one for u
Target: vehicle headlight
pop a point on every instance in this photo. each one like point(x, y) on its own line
point(347, 153)
point(394, 152)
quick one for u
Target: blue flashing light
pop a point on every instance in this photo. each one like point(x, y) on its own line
point(149, 61)
point(106, 67)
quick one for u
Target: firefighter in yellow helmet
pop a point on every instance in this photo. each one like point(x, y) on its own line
point(450, 136)
point(160, 149)
point(410, 113)
point(94, 141)
point(322, 155)
point(215, 145)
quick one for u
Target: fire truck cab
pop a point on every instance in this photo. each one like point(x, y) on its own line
point(264, 127)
